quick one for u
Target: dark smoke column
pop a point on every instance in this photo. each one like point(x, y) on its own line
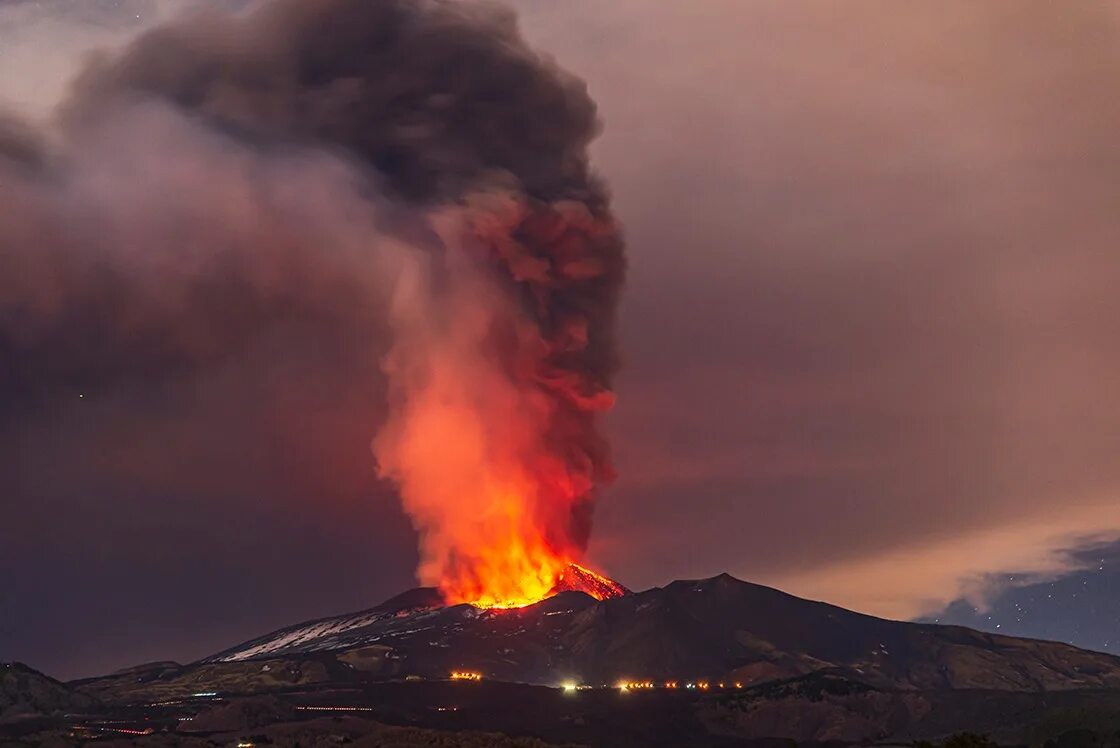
point(503, 321)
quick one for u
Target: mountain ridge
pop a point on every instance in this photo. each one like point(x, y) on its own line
point(718, 628)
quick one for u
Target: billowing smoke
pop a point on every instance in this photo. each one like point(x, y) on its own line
point(498, 376)
point(406, 174)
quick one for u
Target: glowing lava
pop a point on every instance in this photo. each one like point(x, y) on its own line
point(572, 578)
point(577, 578)
point(498, 378)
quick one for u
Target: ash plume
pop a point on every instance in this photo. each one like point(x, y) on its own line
point(18, 143)
point(406, 176)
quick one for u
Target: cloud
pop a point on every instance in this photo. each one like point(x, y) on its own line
point(870, 308)
point(869, 331)
point(197, 259)
point(43, 45)
point(972, 565)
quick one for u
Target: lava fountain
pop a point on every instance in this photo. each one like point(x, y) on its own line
point(498, 381)
point(503, 344)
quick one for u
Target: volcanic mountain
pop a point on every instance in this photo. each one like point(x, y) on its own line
point(778, 667)
point(712, 629)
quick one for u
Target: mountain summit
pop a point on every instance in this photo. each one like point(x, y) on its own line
point(578, 579)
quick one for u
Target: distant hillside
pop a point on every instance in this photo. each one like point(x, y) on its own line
point(26, 692)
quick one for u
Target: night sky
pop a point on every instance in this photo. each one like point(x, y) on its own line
point(1081, 608)
point(870, 341)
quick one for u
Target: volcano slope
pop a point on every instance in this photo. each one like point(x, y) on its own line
point(714, 629)
point(718, 629)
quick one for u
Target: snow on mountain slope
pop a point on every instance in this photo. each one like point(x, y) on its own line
point(339, 632)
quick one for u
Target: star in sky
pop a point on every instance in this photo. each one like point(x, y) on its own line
point(1082, 608)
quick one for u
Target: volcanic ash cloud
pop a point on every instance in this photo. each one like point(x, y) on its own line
point(497, 381)
point(425, 131)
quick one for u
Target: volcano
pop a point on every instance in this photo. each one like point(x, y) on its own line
point(718, 629)
point(776, 665)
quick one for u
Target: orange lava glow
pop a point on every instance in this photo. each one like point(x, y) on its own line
point(490, 498)
point(538, 585)
point(495, 401)
point(487, 492)
point(512, 576)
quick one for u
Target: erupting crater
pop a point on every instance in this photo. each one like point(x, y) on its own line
point(572, 578)
point(576, 578)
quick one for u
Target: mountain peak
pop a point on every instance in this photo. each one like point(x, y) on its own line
point(416, 599)
point(579, 579)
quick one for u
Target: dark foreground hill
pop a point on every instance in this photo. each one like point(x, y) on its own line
point(25, 692)
point(818, 709)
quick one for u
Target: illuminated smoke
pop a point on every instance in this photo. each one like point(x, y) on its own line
point(493, 429)
point(423, 129)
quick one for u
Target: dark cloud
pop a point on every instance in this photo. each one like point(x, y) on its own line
point(431, 100)
point(19, 145)
point(195, 270)
point(434, 96)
